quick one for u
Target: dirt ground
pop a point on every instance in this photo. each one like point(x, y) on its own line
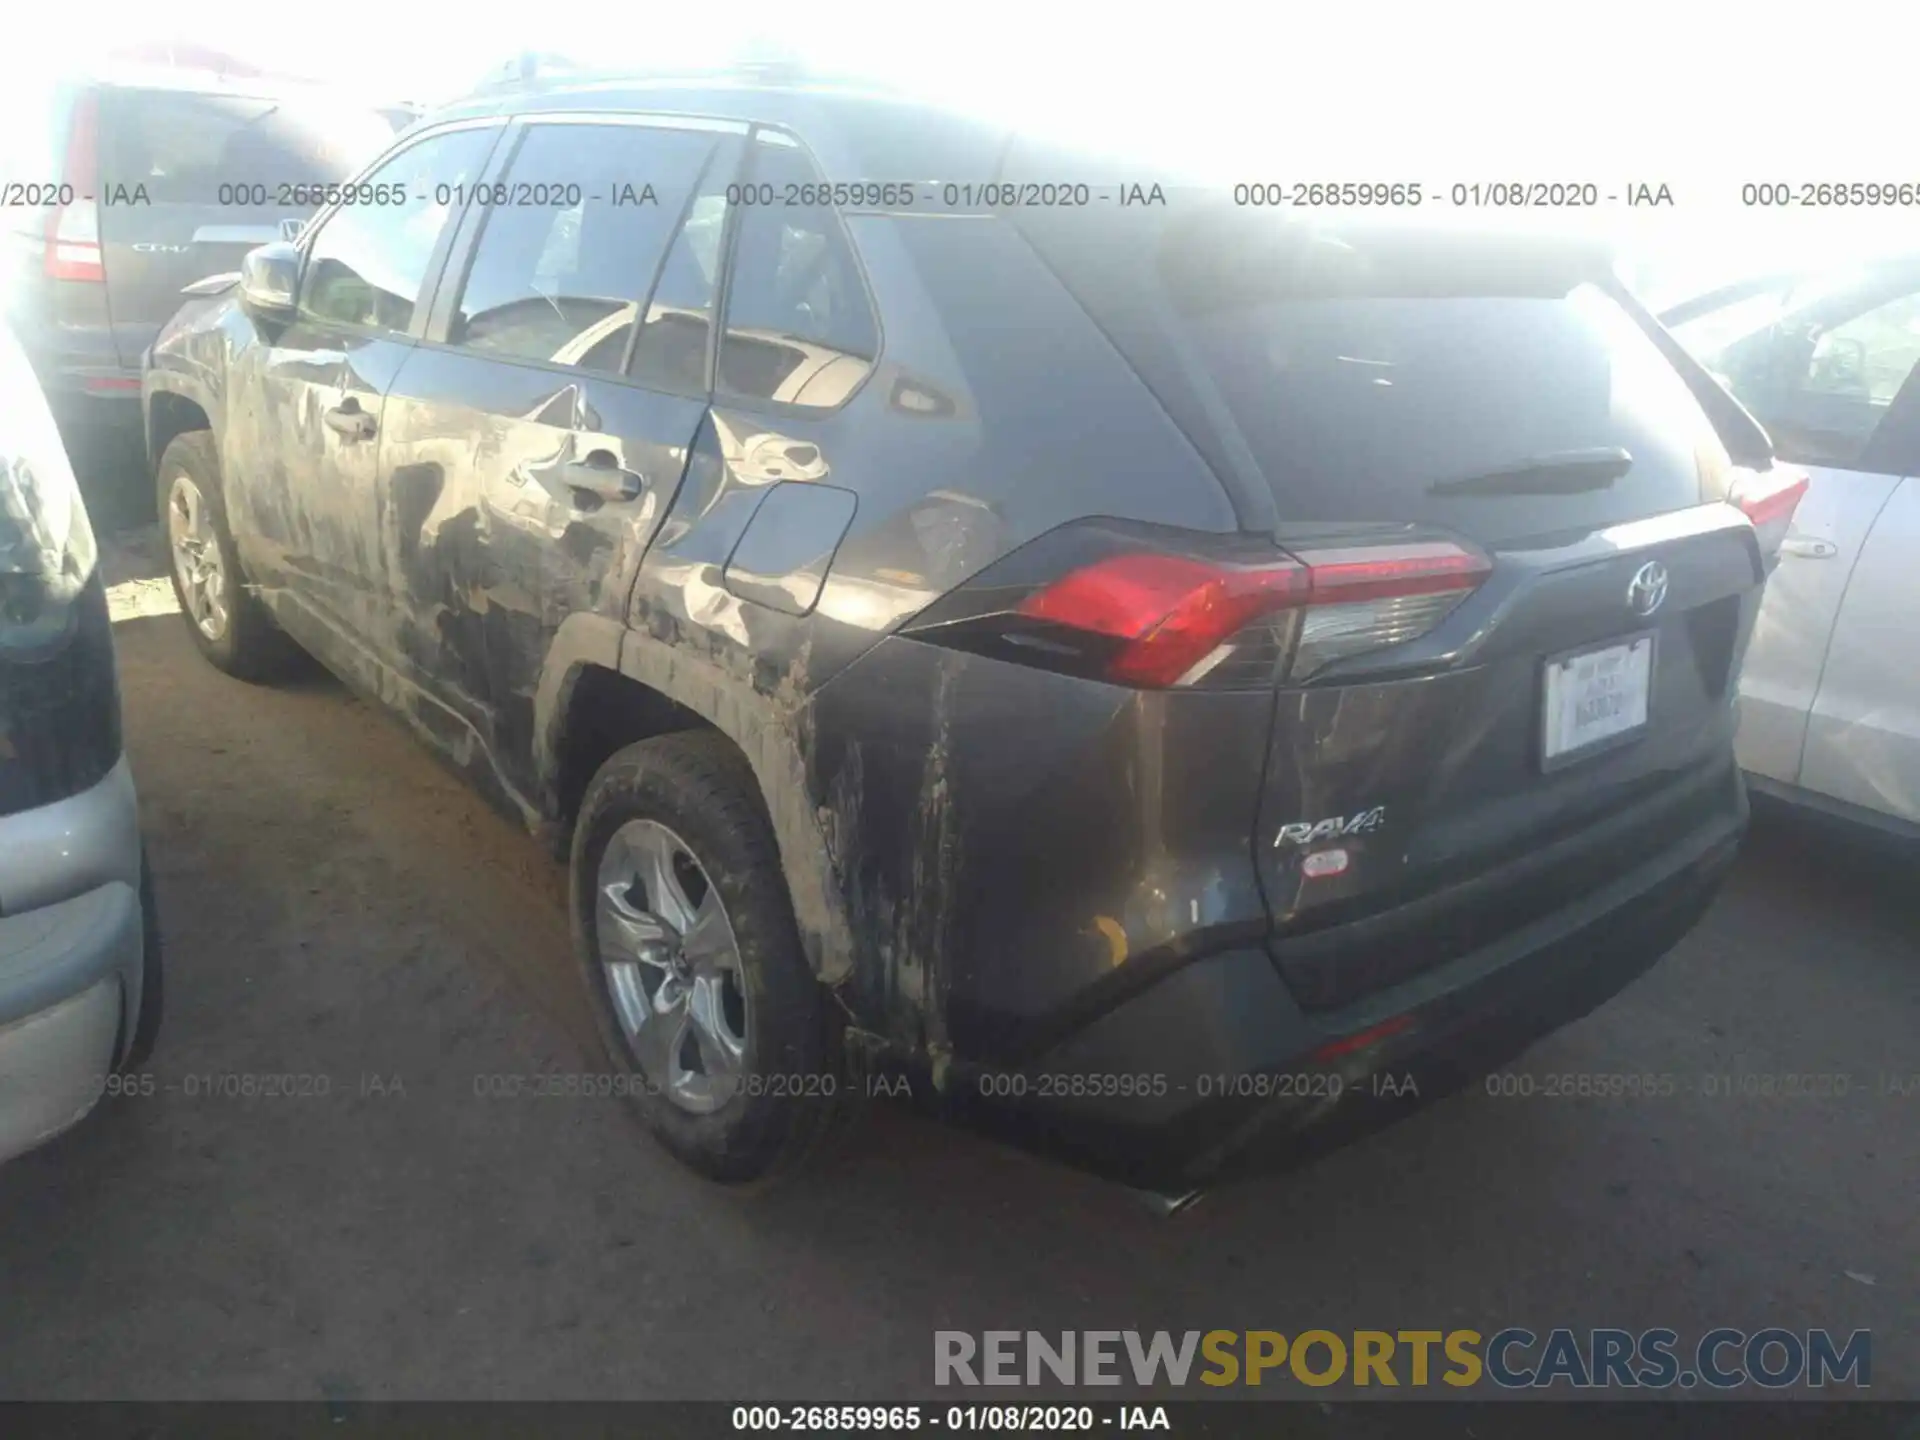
point(337, 905)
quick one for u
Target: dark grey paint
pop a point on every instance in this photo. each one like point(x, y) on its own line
point(986, 860)
point(784, 554)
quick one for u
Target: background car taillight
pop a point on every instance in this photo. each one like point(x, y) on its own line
point(73, 229)
point(1159, 612)
point(1769, 498)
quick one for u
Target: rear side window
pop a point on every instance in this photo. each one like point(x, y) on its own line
point(672, 350)
point(561, 278)
point(1385, 373)
point(184, 148)
point(799, 328)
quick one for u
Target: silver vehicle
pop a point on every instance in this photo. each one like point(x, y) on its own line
point(1829, 362)
point(79, 956)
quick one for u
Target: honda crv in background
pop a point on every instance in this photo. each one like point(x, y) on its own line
point(124, 185)
point(1138, 668)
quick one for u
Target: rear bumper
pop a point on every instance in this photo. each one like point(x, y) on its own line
point(1216, 1073)
point(86, 397)
point(80, 369)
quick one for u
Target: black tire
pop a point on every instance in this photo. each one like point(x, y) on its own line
point(251, 647)
point(698, 785)
point(146, 1027)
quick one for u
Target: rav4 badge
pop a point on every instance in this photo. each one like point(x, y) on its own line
point(1306, 832)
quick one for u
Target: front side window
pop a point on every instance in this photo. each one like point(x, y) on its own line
point(368, 264)
point(561, 278)
point(799, 329)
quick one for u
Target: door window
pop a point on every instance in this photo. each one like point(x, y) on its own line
point(672, 350)
point(1819, 378)
point(562, 277)
point(799, 328)
point(368, 265)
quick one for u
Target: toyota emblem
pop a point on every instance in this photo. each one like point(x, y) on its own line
point(1647, 591)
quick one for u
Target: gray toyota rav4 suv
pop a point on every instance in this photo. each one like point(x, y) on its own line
point(1133, 666)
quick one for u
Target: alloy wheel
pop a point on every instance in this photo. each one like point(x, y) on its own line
point(197, 562)
point(672, 966)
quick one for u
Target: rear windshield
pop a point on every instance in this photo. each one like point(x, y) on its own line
point(1383, 373)
point(189, 149)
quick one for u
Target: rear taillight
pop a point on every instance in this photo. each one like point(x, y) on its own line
point(1367, 597)
point(73, 229)
point(1165, 617)
point(1769, 498)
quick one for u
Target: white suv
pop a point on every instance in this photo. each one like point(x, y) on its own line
point(79, 954)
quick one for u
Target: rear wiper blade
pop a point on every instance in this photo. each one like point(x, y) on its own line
point(1567, 472)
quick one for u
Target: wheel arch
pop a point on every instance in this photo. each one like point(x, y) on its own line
point(603, 688)
point(178, 409)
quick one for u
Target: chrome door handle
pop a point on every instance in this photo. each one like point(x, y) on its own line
point(350, 420)
point(1804, 548)
point(602, 477)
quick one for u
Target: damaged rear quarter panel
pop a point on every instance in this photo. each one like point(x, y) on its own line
point(892, 770)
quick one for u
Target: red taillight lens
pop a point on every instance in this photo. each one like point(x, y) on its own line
point(1769, 499)
point(1349, 573)
point(1169, 611)
point(1172, 620)
point(73, 230)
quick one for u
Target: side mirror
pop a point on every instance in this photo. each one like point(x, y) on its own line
point(270, 281)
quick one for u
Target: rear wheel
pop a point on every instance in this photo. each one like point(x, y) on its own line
point(714, 1023)
point(230, 626)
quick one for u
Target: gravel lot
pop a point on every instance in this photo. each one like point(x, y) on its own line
point(335, 904)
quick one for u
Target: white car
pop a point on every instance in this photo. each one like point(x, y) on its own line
point(1830, 696)
point(79, 955)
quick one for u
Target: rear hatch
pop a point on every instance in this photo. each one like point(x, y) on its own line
point(189, 181)
point(1513, 681)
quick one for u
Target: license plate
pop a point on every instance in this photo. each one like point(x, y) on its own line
point(1597, 698)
